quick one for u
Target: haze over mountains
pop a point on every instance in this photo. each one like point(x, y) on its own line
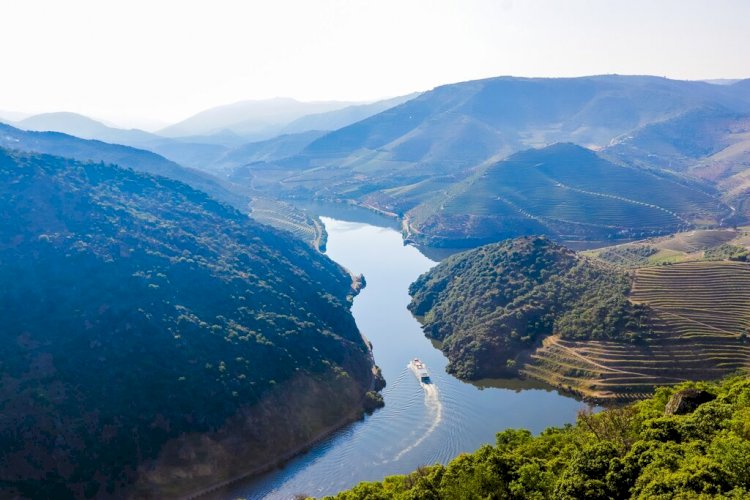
point(134, 297)
point(417, 152)
point(209, 139)
point(414, 155)
point(59, 144)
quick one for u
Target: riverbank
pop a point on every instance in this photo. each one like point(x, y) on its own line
point(370, 400)
point(409, 431)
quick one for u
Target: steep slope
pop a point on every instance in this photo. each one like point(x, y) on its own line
point(686, 143)
point(710, 143)
point(564, 191)
point(273, 149)
point(55, 143)
point(156, 341)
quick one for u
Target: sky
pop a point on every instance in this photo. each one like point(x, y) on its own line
point(146, 62)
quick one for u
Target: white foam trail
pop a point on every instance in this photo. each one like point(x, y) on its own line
point(432, 401)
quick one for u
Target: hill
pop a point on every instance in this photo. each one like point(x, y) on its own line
point(712, 144)
point(54, 143)
point(530, 307)
point(274, 149)
point(491, 307)
point(156, 341)
point(706, 244)
point(567, 192)
point(686, 442)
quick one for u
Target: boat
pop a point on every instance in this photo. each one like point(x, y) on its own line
point(420, 370)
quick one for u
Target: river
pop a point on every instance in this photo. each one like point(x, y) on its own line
point(420, 424)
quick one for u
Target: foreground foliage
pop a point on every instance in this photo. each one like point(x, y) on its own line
point(639, 451)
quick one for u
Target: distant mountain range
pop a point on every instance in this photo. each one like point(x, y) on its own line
point(264, 119)
point(418, 152)
point(411, 154)
point(213, 138)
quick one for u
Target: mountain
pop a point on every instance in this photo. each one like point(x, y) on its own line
point(85, 128)
point(195, 152)
point(564, 191)
point(402, 156)
point(59, 144)
point(336, 119)
point(252, 120)
point(155, 341)
point(684, 442)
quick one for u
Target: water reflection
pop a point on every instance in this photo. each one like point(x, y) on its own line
point(418, 426)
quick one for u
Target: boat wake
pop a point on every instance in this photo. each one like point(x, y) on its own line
point(433, 403)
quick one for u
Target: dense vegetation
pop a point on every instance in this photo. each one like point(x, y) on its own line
point(147, 326)
point(680, 443)
point(493, 305)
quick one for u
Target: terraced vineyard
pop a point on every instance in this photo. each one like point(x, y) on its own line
point(284, 216)
point(699, 324)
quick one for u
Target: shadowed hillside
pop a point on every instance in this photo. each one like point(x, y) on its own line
point(156, 341)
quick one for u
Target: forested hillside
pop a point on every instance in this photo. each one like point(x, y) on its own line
point(687, 442)
point(491, 307)
point(154, 340)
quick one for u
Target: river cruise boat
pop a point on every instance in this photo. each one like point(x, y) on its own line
point(420, 370)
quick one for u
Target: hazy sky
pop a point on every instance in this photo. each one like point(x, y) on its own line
point(165, 60)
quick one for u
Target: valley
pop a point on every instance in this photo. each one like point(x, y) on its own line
point(419, 424)
point(591, 244)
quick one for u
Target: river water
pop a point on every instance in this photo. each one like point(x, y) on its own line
point(420, 424)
